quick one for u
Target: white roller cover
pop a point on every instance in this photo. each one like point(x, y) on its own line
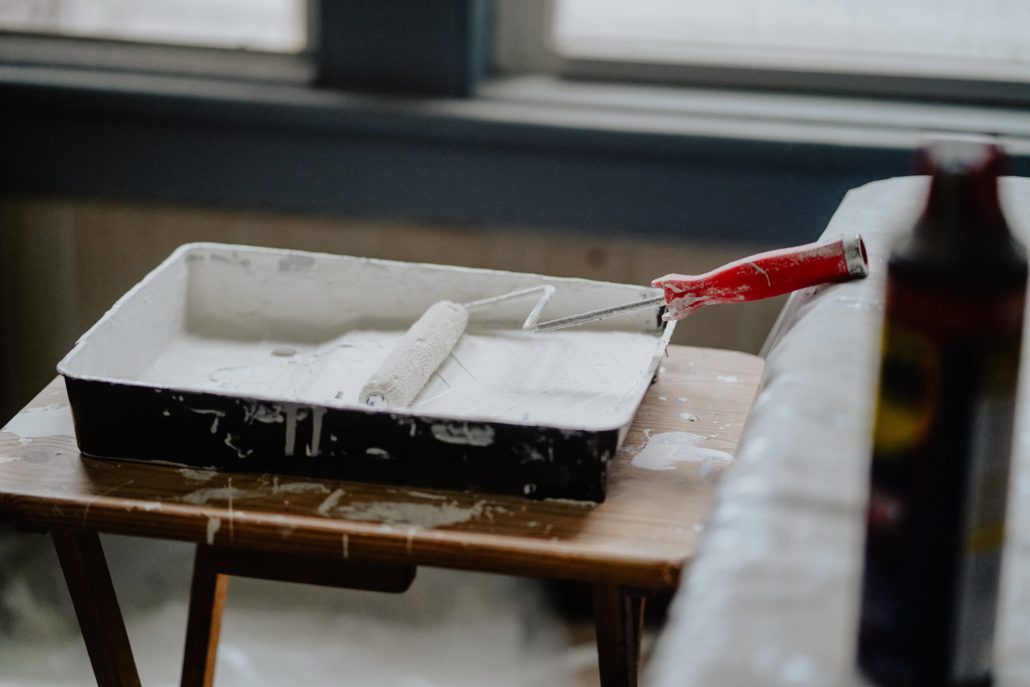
point(421, 350)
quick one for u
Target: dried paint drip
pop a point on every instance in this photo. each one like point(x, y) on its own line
point(330, 502)
point(314, 448)
point(665, 451)
point(298, 487)
point(291, 429)
point(213, 525)
point(216, 414)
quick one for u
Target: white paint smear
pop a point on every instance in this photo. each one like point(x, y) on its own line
point(664, 451)
point(202, 496)
point(197, 475)
point(299, 488)
point(314, 448)
point(216, 414)
point(426, 495)
point(228, 441)
point(572, 502)
point(36, 423)
point(330, 502)
point(427, 515)
point(291, 430)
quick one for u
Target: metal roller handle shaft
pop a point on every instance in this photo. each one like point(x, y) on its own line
point(749, 279)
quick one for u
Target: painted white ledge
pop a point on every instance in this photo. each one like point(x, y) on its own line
point(772, 597)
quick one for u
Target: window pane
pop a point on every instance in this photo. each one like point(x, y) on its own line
point(870, 31)
point(270, 25)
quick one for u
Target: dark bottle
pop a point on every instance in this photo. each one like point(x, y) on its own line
point(943, 431)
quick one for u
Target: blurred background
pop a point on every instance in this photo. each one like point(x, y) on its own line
point(607, 139)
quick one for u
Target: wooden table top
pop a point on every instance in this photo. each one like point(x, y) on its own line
point(641, 536)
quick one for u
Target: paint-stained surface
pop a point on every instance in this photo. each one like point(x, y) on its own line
point(665, 451)
point(641, 535)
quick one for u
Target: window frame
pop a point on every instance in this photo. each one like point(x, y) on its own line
point(131, 57)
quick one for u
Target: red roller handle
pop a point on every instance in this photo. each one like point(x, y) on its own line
point(765, 275)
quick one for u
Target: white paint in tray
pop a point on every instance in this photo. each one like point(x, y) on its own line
point(565, 378)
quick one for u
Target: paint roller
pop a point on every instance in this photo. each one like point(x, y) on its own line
point(753, 278)
point(428, 342)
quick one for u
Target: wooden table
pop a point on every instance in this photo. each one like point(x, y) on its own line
point(373, 537)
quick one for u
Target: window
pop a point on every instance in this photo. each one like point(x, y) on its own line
point(943, 49)
point(260, 25)
point(872, 35)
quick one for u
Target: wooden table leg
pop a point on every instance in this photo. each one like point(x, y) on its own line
point(618, 619)
point(207, 600)
point(211, 571)
point(103, 630)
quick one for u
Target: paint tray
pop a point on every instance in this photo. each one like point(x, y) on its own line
point(245, 358)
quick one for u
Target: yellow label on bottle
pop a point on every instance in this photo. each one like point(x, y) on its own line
point(908, 391)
